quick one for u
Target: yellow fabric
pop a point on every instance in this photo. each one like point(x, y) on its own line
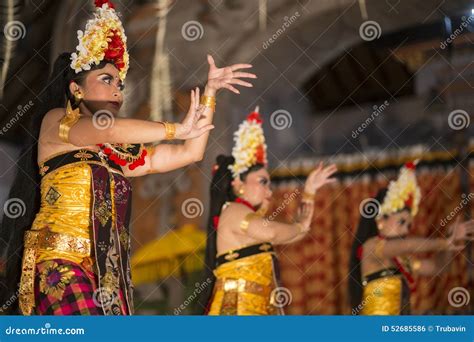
point(246, 287)
point(65, 207)
point(61, 228)
point(382, 296)
point(180, 250)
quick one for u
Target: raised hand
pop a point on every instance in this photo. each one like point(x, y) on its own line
point(320, 177)
point(459, 233)
point(226, 77)
point(189, 128)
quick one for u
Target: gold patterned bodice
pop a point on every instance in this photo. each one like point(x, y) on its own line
point(244, 286)
point(383, 295)
point(65, 209)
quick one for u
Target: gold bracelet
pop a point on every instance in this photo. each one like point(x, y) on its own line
point(150, 149)
point(208, 101)
point(301, 227)
point(415, 265)
point(307, 197)
point(244, 224)
point(170, 130)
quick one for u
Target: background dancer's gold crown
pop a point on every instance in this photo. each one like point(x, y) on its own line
point(402, 193)
point(250, 147)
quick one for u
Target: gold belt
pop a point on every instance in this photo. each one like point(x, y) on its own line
point(242, 285)
point(44, 239)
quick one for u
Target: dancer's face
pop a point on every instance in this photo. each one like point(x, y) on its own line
point(256, 187)
point(102, 90)
point(396, 225)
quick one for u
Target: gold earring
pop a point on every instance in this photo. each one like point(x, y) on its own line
point(78, 96)
point(241, 191)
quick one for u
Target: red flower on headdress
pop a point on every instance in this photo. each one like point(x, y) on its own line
point(99, 3)
point(410, 166)
point(409, 201)
point(254, 116)
point(115, 50)
point(260, 155)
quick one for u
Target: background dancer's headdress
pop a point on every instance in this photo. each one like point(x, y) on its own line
point(402, 193)
point(103, 38)
point(250, 147)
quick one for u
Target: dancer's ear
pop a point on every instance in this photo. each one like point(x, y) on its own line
point(236, 185)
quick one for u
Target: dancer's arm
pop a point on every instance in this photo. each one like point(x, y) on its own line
point(166, 157)
point(246, 222)
point(441, 261)
point(316, 180)
point(379, 249)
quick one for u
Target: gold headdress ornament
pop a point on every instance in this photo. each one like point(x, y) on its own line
point(103, 38)
point(250, 147)
point(402, 193)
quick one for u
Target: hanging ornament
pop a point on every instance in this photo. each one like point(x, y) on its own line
point(123, 154)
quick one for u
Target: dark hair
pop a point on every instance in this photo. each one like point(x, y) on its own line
point(221, 192)
point(26, 185)
point(367, 229)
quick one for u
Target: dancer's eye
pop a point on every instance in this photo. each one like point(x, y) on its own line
point(107, 79)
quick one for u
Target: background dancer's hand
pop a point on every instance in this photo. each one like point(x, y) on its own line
point(190, 127)
point(320, 177)
point(226, 77)
point(459, 233)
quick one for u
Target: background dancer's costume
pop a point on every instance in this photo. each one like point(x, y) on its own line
point(387, 291)
point(246, 279)
point(76, 253)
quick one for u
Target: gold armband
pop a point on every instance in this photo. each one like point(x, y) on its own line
point(244, 224)
point(170, 130)
point(67, 121)
point(208, 101)
point(379, 246)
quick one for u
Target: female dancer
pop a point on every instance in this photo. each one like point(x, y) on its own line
point(240, 258)
point(380, 273)
point(74, 258)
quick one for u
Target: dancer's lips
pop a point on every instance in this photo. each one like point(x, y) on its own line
point(116, 104)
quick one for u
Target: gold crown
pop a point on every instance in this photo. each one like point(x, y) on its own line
point(402, 193)
point(250, 147)
point(103, 38)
